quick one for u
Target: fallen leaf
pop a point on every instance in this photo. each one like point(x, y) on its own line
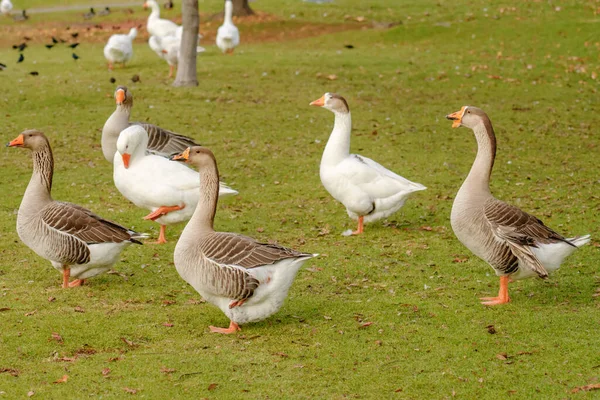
point(398, 390)
point(51, 299)
point(491, 329)
point(212, 386)
point(502, 356)
point(30, 393)
point(332, 77)
point(30, 313)
point(365, 324)
point(260, 230)
point(328, 318)
point(129, 390)
point(128, 342)
point(166, 370)
point(168, 302)
point(4, 309)
point(282, 354)
point(360, 19)
point(64, 379)
point(57, 337)
point(105, 371)
point(79, 309)
point(586, 388)
point(460, 260)
point(67, 359)
point(426, 228)
point(11, 371)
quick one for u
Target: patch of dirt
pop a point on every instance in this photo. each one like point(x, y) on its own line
point(262, 27)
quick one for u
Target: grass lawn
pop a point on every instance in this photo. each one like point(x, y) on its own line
point(393, 313)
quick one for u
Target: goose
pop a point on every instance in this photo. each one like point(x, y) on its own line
point(246, 279)
point(119, 48)
point(6, 7)
point(167, 48)
point(168, 189)
point(76, 241)
point(21, 17)
point(515, 244)
point(157, 26)
point(162, 142)
point(368, 190)
point(228, 35)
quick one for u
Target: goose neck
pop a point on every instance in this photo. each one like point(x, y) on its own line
point(338, 145)
point(39, 189)
point(481, 171)
point(202, 220)
point(228, 12)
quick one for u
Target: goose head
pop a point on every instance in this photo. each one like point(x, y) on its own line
point(468, 116)
point(133, 33)
point(199, 156)
point(132, 140)
point(30, 139)
point(333, 102)
point(150, 4)
point(123, 96)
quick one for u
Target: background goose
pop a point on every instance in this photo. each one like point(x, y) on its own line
point(76, 241)
point(247, 280)
point(161, 141)
point(368, 190)
point(167, 48)
point(228, 35)
point(5, 7)
point(157, 26)
point(168, 189)
point(119, 48)
point(515, 244)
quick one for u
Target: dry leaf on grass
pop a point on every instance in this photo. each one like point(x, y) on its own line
point(168, 324)
point(64, 379)
point(11, 371)
point(30, 313)
point(128, 342)
point(586, 388)
point(166, 370)
point(79, 309)
point(130, 391)
point(57, 337)
point(332, 77)
point(502, 356)
point(105, 372)
point(212, 386)
point(30, 393)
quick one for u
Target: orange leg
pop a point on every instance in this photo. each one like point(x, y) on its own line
point(66, 276)
point(359, 230)
point(110, 66)
point(237, 303)
point(162, 210)
point(171, 69)
point(77, 282)
point(502, 293)
point(162, 237)
point(233, 327)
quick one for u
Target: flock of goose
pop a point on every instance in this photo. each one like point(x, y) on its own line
point(246, 279)
point(165, 38)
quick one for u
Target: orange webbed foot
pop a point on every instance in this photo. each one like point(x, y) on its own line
point(77, 282)
point(494, 301)
point(162, 210)
point(233, 328)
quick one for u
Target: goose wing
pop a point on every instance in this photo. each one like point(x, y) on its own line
point(520, 231)
point(166, 143)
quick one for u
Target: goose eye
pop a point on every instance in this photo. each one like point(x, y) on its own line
point(468, 111)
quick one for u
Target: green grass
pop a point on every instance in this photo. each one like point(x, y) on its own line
point(530, 69)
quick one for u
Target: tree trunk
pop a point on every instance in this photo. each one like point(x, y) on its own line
point(241, 8)
point(186, 67)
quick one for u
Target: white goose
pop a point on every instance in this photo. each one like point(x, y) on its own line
point(161, 142)
point(368, 190)
point(515, 244)
point(119, 48)
point(167, 48)
point(247, 280)
point(168, 189)
point(157, 26)
point(76, 241)
point(228, 35)
point(5, 7)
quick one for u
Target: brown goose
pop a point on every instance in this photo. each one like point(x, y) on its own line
point(77, 242)
point(515, 244)
point(246, 279)
point(161, 141)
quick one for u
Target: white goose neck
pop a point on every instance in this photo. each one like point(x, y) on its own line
point(228, 12)
point(338, 145)
point(155, 13)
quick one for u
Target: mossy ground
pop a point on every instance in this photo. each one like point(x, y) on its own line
point(393, 313)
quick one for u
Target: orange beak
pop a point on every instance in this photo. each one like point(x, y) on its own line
point(16, 142)
point(120, 96)
point(126, 157)
point(457, 117)
point(183, 156)
point(320, 102)
point(145, 5)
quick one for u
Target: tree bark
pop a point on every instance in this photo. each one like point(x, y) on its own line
point(186, 67)
point(241, 8)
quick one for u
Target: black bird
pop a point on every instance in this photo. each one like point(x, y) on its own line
point(168, 5)
point(21, 58)
point(349, 46)
point(135, 78)
point(106, 11)
point(21, 17)
point(75, 34)
point(2, 67)
point(90, 14)
point(34, 73)
point(22, 46)
point(73, 45)
point(75, 56)
point(49, 46)
point(54, 40)
point(112, 80)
